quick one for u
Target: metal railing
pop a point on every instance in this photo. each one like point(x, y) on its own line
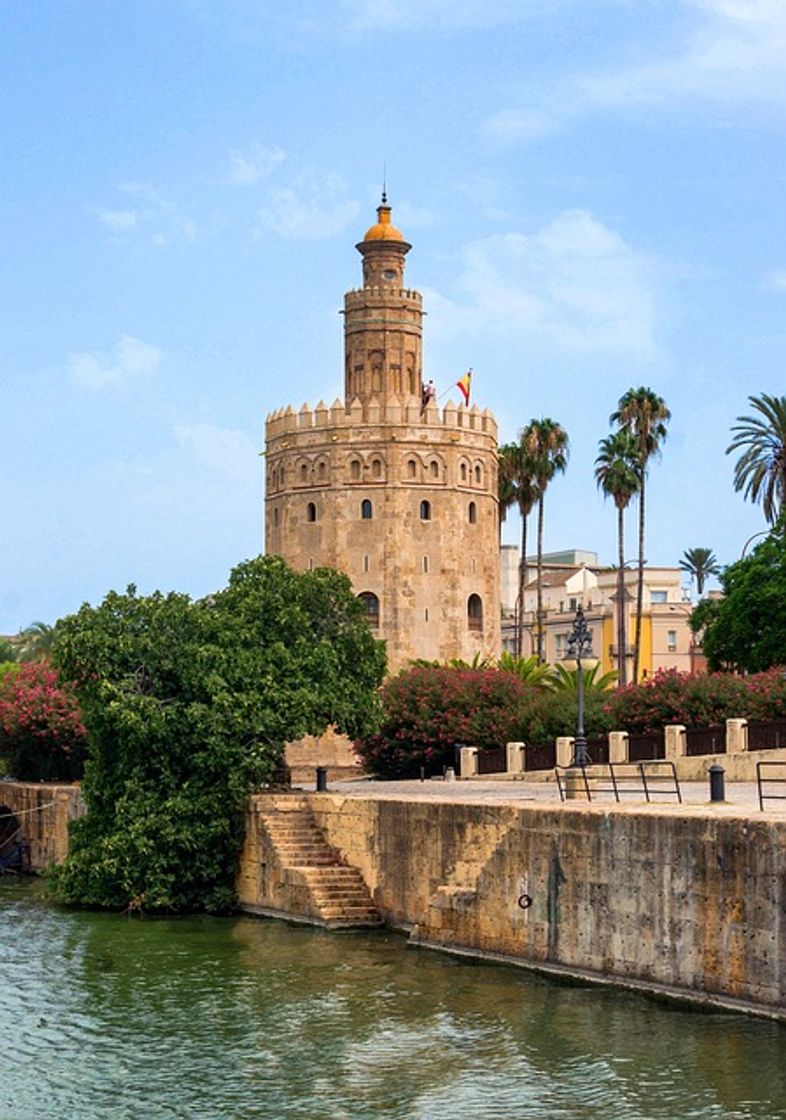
point(705, 740)
point(652, 779)
point(540, 756)
point(763, 780)
point(766, 735)
point(494, 761)
point(646, 748)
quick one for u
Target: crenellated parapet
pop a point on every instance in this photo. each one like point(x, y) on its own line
point(392, 410)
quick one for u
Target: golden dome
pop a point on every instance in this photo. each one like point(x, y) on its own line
point(383, 230)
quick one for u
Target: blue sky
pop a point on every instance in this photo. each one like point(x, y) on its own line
point(594, 190)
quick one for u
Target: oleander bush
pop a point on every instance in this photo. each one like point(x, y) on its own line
point(42, 737)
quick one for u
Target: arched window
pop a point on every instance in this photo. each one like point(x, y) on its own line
point(275, 517)
point(304, 472)
point(425, 511)
point(434, 468)
point(463, 472)
point(478, 474)
point(354, 470)
point(371, 603)
point(322, 471)
point(412, 468)
point(475, 612)
point(472, 513)
point(366, 510)
point(376, 468)
point(311, 512)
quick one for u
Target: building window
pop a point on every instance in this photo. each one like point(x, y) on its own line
point(658, 596)
point(425, 565)
point(365, 563)
point(463, 472)
point(354, 470)
point(366, 510)
point(573, 604)
point(671, 640)
point(303, 472)
point(425, 615)
point(322, 472)
point(562, 645)
point(425, 511)
point(275, 517)
point(472, 513)
point(371, 603)
point(376, 468)
point(311, 512)
point(475, 612)
point(434, 468)
point(412, 468)
point(478, 475)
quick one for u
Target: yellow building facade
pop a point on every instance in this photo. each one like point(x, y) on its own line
point(388, 487)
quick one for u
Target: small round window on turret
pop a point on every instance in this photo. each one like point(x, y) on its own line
point(389, 274)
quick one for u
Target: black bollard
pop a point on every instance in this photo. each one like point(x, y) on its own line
point(423, 773)
point(717, 775)
point(321, 779)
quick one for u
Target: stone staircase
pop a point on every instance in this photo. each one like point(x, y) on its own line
point(324, 888)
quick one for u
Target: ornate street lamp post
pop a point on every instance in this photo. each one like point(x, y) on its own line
point(580, 646)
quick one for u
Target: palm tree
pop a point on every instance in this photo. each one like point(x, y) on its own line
point(34, 642)
point(517, 485)
point(545, 445)
point(700, 563)
point(645, 415)
point(618, 475)
point(761, 469)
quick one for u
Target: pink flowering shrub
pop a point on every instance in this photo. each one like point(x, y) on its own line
point(42, 737)
point(697, 700)
point(428, 710)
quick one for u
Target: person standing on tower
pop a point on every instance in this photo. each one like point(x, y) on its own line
point(428, 394)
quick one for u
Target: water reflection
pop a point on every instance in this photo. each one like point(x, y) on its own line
point(102, 1016)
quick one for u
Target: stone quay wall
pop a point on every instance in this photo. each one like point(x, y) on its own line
point(43, 812)
point(680, 902)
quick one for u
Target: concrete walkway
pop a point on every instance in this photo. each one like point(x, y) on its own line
point(741, 797)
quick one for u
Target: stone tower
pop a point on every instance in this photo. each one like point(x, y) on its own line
point(400, 495)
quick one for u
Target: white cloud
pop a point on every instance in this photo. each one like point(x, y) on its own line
point(574, 284)
point(246, 168)
point(735, 54)
point(519, 124)
point(228, 451)
point(155, 216)
point(130, 360)
point(408, 14)
point(315, 206)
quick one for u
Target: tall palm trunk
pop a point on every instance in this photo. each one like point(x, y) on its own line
point(621, 593)
point(640, 587)
point(539, 618)
point(522, 584)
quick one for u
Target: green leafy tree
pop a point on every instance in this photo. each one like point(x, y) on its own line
point(645, 415)
point(760, 471)
point(746, 629)
point(700, 564)
point(7, 650)
point(517, 486)
point(545, 447)
point(618, 474)
point(187, 706)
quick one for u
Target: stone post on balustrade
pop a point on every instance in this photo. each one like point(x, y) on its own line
point(565, 750)
point(514, 758)
point(618, 747)
point(736, 736)
point(469, 762)
point(675, 741)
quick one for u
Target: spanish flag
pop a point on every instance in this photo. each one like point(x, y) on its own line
point(464, 385)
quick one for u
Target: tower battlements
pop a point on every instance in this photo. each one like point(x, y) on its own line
point(389, 411)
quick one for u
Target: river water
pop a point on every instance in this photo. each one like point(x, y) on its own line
point(244, 1019)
